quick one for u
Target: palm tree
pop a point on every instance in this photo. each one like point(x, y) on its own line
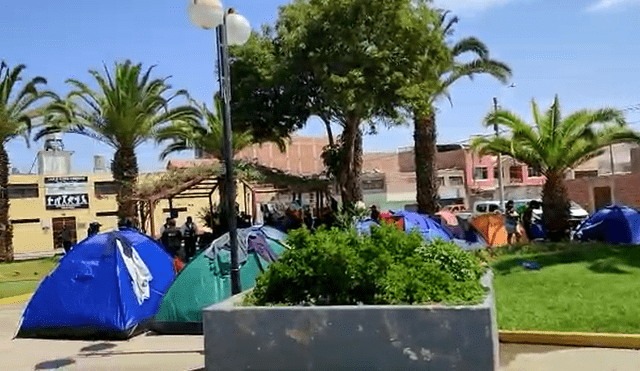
point(185, 135)
point(554, 146)
point(16, 111)
point(424, 112)
point(126, 111)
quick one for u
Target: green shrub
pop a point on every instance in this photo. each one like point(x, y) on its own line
point(338, 267)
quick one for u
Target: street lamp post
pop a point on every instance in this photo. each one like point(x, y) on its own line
point(231, 29)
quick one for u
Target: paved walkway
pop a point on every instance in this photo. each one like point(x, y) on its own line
point(185, 353)
point(144, 352)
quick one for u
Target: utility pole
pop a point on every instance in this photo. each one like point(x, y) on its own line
point(500, 181)
point(613, 171)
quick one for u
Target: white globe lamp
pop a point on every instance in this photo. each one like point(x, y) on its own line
point(207, 14)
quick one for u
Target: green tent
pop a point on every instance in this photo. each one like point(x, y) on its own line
point(206, 279)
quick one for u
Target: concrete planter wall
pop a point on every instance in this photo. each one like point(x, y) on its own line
point(368, 337)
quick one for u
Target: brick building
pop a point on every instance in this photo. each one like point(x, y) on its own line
point(594, 185)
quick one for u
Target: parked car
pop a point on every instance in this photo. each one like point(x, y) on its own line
point(577, 213)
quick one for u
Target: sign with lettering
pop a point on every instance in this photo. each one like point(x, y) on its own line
point(57, 202)
point(66, 192)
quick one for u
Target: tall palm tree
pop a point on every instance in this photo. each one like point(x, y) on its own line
point(17, 108)
point(126, 110)
point(209, 137)
point(554, 145)
point(445, 75)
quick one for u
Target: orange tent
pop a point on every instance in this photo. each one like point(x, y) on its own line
point(390, 219)
point(492, 228)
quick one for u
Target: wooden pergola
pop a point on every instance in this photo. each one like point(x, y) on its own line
point(201, 181)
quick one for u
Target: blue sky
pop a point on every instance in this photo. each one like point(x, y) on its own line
point(587, 52)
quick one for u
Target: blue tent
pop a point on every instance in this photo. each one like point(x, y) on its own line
point(104, 288)
point(613, 224)
point(429, 228)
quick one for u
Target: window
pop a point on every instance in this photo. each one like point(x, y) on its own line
point(533, 172)
point(515, 174)
point(585, 173)
point(482, 208)
point(440, 181)
point(25, 221)
point(107, 213)
point(456, 181)
point(373, 183)
point(178, 209)
point(495, 173)
point(106, 188)
point(480, 173)
point(23, 190)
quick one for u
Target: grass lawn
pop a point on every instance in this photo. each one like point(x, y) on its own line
point(22, 277)
point(580, 287)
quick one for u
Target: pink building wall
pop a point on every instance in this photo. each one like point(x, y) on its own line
point(473, 160)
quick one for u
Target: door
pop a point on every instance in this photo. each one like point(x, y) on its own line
point(602, 197)
point(58, 225)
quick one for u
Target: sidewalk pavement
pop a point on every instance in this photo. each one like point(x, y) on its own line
point(185, 353)
point(528, 357)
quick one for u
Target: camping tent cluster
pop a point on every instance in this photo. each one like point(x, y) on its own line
point(115, 284)
point(613, 224)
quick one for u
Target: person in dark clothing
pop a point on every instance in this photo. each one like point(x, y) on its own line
point(189, 236)
point(67, 239)
point(527, 218)
point(375, 214)
point(94, 228)
point(511, 223)
point(172, 238)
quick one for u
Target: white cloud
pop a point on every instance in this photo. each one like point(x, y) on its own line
point(469, 5)
point(610, 4)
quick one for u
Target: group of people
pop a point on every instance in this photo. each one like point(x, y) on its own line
point(513, 218)
point(174, 238)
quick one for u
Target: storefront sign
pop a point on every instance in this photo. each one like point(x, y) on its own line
point(67, 192)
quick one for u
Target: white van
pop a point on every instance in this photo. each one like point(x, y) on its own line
point(578, 214)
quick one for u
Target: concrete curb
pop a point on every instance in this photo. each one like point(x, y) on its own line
point(583, 339)
point(15, 299)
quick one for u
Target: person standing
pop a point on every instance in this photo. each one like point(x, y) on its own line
point(189, 236)
point(511, 222)
point(172, 238)
point(94, 228)
point(67, 239)
point(375, 214)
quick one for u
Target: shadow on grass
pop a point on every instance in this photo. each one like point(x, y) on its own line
point(600, 257)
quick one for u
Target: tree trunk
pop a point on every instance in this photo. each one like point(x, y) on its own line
point(351, 167)
point(125, 172)
point(425, 159)
point(327, 124)
point(555, 207)
point(6, 230)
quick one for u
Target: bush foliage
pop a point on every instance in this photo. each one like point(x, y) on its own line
point(338, 267)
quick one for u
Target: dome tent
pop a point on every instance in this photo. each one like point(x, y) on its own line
point(425, 225)
point(613, 224)
point(206, 279)
point(106, 287)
